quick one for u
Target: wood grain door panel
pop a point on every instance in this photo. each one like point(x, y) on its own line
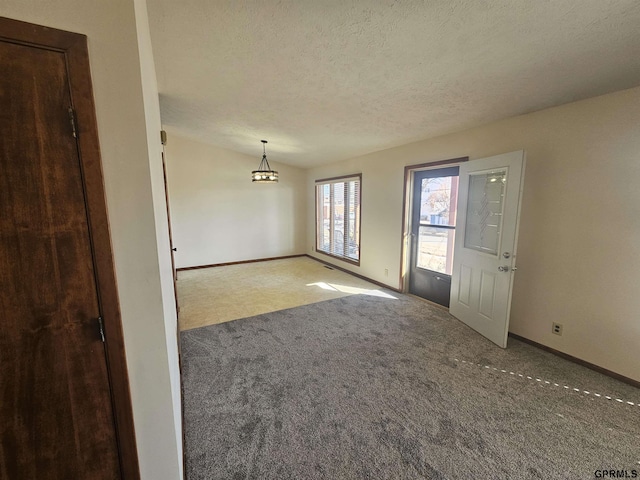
point(55, 404)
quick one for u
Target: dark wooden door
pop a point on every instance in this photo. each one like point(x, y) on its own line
point(56, 416)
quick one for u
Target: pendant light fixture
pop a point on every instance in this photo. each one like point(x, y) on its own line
point(264, 174)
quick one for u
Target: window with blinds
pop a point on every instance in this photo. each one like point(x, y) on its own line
point(338, 217)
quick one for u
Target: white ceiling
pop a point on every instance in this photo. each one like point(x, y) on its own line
point(325, 80)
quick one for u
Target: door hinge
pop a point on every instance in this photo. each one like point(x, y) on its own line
point(73, 121)
point(101, 328)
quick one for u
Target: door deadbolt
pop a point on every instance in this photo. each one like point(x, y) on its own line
point(506, 255)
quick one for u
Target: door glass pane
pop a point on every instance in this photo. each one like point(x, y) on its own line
point(437, 205)
point(484, 211)
point(435, 249)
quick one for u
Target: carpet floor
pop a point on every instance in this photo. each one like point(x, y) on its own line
point(365, 387)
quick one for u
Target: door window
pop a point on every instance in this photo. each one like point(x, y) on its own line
point(484, 211)
point(436, 231)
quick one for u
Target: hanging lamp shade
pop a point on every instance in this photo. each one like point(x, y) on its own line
point(264, 173)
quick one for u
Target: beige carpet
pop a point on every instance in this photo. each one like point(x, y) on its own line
point(219, 294)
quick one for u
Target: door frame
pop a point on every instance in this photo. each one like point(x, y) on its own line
point(407, 211)
point(74, 48)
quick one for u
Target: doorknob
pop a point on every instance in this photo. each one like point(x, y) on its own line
point(503, 268)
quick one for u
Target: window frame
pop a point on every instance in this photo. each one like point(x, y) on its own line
point(358, 226)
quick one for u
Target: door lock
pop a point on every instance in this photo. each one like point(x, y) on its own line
point(506, 255)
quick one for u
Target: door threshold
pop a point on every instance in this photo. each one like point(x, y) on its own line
point(442, 307)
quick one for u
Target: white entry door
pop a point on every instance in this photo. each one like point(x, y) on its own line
point(490, 190)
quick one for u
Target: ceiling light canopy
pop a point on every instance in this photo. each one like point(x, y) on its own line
point(264, 174)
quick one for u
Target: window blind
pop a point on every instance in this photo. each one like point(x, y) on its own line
point(338, 217)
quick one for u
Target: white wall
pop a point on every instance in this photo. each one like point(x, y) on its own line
point(218, 215)
point(124, 105)
point(579, 248)
point(172, 432)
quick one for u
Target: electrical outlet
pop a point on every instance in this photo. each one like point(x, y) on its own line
point(386, 272)
point(556, 328)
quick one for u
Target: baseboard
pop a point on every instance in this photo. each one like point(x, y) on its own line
point(196, 267)
point(579, 361)
point(361, 277)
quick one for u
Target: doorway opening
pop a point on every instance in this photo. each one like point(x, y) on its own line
point(480, 279)
point(431, 193)
point(433, 228)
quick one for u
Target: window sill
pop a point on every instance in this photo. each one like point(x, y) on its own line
point(337, 257)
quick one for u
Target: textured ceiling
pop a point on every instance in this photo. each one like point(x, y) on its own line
point(325, 80)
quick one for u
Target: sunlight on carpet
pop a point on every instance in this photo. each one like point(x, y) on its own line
point(351, 290)
point(220, 294)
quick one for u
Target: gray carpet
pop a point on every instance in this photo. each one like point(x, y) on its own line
point(373, 388)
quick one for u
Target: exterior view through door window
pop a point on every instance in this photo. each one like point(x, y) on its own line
point(338, 217)
point(437, 223)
